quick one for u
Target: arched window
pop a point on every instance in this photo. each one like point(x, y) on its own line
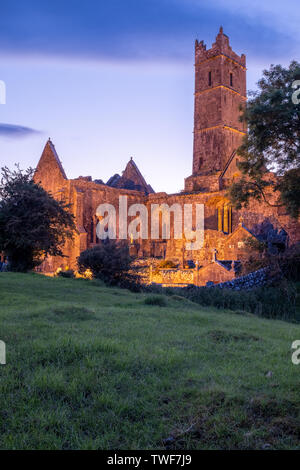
point(231, 79)
point(224, 214)
point(220, 219)
point(227, 223)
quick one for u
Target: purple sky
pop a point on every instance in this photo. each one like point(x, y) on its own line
point(110, 80)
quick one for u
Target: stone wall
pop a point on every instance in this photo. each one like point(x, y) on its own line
point(250, 281)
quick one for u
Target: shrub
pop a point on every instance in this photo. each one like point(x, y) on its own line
point(156, 300)
point(69, 273)
point(167, 264)
point(109, 261)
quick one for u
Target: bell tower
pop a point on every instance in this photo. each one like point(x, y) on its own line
point(220, 91)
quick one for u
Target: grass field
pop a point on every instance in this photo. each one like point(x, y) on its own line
point(92, 367)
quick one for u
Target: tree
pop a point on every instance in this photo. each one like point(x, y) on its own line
point(280, 264)
point(109, 261)
point(32, 223)
point(272, 143)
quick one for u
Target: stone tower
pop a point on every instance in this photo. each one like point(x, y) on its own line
point(220, 90)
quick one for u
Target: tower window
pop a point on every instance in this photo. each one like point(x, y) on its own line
point(231, 79)
point(209, 78)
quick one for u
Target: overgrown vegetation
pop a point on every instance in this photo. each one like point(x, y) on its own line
point(269, 302)
point(93, 367)
point(283, 264)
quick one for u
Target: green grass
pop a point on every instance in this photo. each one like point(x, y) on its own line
point(92, 367)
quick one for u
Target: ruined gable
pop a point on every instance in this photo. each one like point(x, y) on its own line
point(49, 171)
point(131, 179)
point(214, 272)
point(235, 246)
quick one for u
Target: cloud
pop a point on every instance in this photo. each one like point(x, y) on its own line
point(283, 17)
point(15, 131)
point(150, 30)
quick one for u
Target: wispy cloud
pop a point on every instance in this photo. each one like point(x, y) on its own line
point(121, 30)
point(16, 131)
point(283, 17)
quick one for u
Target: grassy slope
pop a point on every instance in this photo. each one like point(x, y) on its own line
point(94, 367)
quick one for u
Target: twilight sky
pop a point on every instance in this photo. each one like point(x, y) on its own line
point(110, 79)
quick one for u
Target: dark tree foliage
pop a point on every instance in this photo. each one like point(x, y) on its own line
point(32, 223)
point(281, 264)
point(272, 143)
point(109, 261)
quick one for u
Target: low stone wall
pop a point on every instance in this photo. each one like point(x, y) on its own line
point(250, 281)
point(175, 277)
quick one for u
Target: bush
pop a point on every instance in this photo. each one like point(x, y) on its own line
point(69, 273)
point(155, 300)
point(109, 261)
point(167, 264)
point(131, 282)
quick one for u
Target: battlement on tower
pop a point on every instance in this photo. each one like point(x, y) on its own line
point(219, 48)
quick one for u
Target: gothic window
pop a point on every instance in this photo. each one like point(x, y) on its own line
point(227, 221)
point(209, 78)
point(220, 219)
point(224, 214)
point(231, 79)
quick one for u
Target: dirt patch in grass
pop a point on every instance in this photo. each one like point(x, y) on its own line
point(282, 426)
point(226, 423)
point(266, 408)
